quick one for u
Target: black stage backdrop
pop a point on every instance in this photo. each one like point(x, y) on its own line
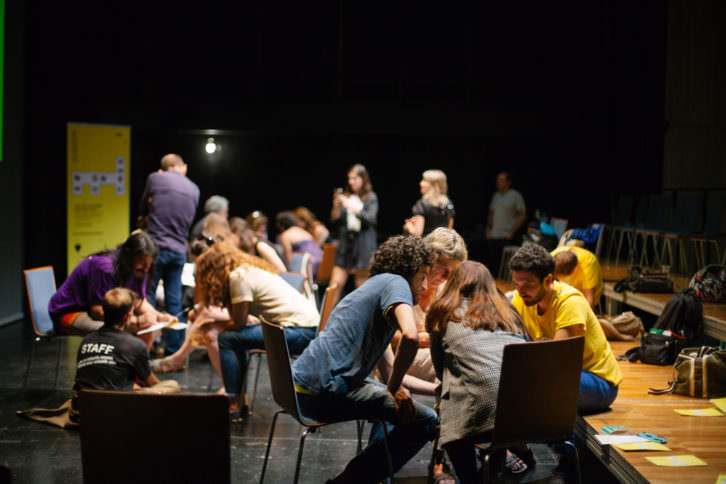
point(568, 96)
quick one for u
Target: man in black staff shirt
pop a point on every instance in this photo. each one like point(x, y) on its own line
point(113, 359)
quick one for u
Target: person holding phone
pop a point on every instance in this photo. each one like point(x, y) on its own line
point(355, 217)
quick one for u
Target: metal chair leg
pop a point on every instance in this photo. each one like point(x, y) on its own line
point(257, 379)
point(300, 451)
point(30, 362)
point(578, 473)
point(389, 461)
point(434, 455)
point(359, 424)
point(57, 363)
point(269, 443)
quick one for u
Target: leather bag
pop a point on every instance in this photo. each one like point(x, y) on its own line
point(641, 281)
point(698, 372)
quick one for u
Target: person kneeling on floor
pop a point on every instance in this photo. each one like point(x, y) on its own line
point(112, 359)
point(109, 358)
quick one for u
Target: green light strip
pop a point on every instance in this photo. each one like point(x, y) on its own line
point(2, 73)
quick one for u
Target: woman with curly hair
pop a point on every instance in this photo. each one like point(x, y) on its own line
point(469, 324)
point(236, 288)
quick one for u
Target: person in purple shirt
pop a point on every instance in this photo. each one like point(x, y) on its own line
point(76, 307)
point(169, 203)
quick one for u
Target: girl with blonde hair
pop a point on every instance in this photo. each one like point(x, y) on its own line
point(434, 209)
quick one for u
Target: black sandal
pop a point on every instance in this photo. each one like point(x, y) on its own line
point(527, 457)
point(240, 415)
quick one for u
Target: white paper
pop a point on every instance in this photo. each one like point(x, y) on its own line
point(162, 325)
point(606, 439)
point(187, 277)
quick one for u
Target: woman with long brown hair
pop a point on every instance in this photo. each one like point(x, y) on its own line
point(469, 325)
point(236, 288)
point(355, 216)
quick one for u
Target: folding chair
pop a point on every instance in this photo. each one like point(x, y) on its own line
point(504, 273)
point(684, 224)
point(117, 444)
point(657, 222)
point(295, 279)
point(325, 269)
point(40, 287)
point(326, 307)
point(560, 225)
point(324, 313)
point(302, 263)
point(703, 243)
point(537, 398)
point(284, 394)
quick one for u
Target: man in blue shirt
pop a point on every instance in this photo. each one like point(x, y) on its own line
point(332, 376)
point(170, 203)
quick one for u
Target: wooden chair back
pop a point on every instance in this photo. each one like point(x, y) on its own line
point(325, 269)
point(327, 306)
point(538, 389)
point(278, 362)
point(116, 445)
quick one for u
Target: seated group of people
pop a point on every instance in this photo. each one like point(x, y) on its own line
point(427, 319)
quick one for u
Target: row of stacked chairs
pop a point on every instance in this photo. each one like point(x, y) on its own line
point(678, 229)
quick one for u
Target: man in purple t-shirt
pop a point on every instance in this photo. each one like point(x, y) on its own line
point(76, 307)
point(170, 203)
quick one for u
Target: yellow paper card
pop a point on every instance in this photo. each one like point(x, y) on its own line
point(701, 412)
point(720, 403)
point(721, 479)
point(677, 461)
point(642, 446)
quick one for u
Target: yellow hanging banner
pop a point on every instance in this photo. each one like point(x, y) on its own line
point(98, 174)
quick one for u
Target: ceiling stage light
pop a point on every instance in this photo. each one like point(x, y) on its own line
point(211, 146)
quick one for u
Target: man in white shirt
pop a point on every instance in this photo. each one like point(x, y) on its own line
point(507, 213)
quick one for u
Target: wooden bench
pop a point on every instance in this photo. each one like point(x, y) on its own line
point(714, 314)
point(635, 409)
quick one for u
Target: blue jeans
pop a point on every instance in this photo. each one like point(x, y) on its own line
point(596, 394)
point(233, 347)
point(168, 267)
point(371, 400)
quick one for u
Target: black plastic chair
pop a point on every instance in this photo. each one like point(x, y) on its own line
point(325, 309)
point(118, 443)
point(537, 398)
point(283, 392)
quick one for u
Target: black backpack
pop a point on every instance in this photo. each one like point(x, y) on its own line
point(680, 322)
